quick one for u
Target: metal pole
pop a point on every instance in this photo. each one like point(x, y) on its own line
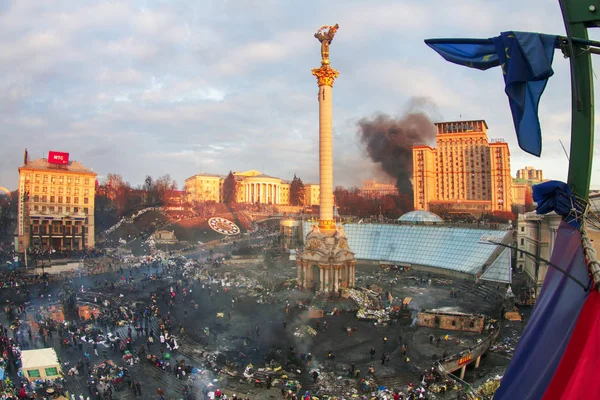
point(577, 14)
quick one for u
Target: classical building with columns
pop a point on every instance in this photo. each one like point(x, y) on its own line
point(253, 187)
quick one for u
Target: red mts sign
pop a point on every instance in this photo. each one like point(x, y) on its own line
point(56, 157)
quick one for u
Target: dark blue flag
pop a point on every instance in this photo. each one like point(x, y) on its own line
point(526, 61)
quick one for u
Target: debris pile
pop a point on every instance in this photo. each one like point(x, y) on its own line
point(489, 387)
point(305, 330)
point(368, 306)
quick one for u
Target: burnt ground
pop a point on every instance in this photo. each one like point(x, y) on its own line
point(236, 342)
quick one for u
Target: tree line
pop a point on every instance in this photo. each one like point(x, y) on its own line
point(118, 195)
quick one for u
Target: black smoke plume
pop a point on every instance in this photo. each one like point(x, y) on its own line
point(388, 141)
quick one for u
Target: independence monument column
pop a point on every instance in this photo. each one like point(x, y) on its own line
point(325, 77)
point(326, 264)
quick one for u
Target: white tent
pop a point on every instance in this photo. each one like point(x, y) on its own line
point(40, 364)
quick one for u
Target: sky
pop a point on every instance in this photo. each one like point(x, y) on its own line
point(180, 87)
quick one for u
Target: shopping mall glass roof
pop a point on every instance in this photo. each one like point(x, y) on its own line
point(457, 249)
point(420, 216)
point(500, 270)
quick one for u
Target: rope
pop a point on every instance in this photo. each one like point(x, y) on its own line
point(590, 255)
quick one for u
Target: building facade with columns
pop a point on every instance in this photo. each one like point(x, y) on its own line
point(253, 187)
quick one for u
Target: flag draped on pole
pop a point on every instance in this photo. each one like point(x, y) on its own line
point(526, 61)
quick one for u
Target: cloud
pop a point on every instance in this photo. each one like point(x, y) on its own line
point(153, 87)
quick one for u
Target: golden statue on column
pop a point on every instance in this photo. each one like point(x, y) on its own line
point(326, 38)
point(326, 264)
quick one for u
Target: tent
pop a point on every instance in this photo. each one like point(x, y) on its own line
point(40, 364)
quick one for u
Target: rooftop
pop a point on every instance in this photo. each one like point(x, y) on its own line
point(420, 216)
point(444, 247)
point(42, 164)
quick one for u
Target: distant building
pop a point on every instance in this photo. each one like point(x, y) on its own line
point(253, 187)
point(164, 237)
point(464, 173)
point(56, 204)
point(312, 194)
point(374, 190)
point(536, 235)
point(531, 174)
point(204, 187)
point(522, 194)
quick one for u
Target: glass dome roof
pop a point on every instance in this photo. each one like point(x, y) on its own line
point(420, 216)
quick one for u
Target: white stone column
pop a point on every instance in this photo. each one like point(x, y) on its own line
point(326, 286)
point(321, 279)
point(325, 154)
point(336, 277)
point(305, 267)
point(299, 274)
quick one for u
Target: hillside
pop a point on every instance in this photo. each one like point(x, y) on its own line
point(190, 229)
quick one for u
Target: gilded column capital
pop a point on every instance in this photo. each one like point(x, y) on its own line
point(325, 75)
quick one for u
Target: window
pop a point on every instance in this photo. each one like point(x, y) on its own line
point(522, 229)
point(36, 199)
point(520, 254)
point(76, 191)
point(85, 200)
point(60, 199)
point(87, 181)
point(33, 373)
point(76, 180)
point(60, 190)
point(85, 210)
point(35, 208)
point(75, 200)
point(68, 180)
point(51, 208)
point(68, 209)
point(45, 178)
point(43, 208)
point(38, 178)
point(52, 199)
point(68, 199)
point(44, 189)
point(472, 324)
point(522, 242)
point(52, 179)
point(60, 209)
point(75, 209)
point(51, 371)
point(44, 199)
point(453, 323)
point(61, 179)
point(52, 189)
